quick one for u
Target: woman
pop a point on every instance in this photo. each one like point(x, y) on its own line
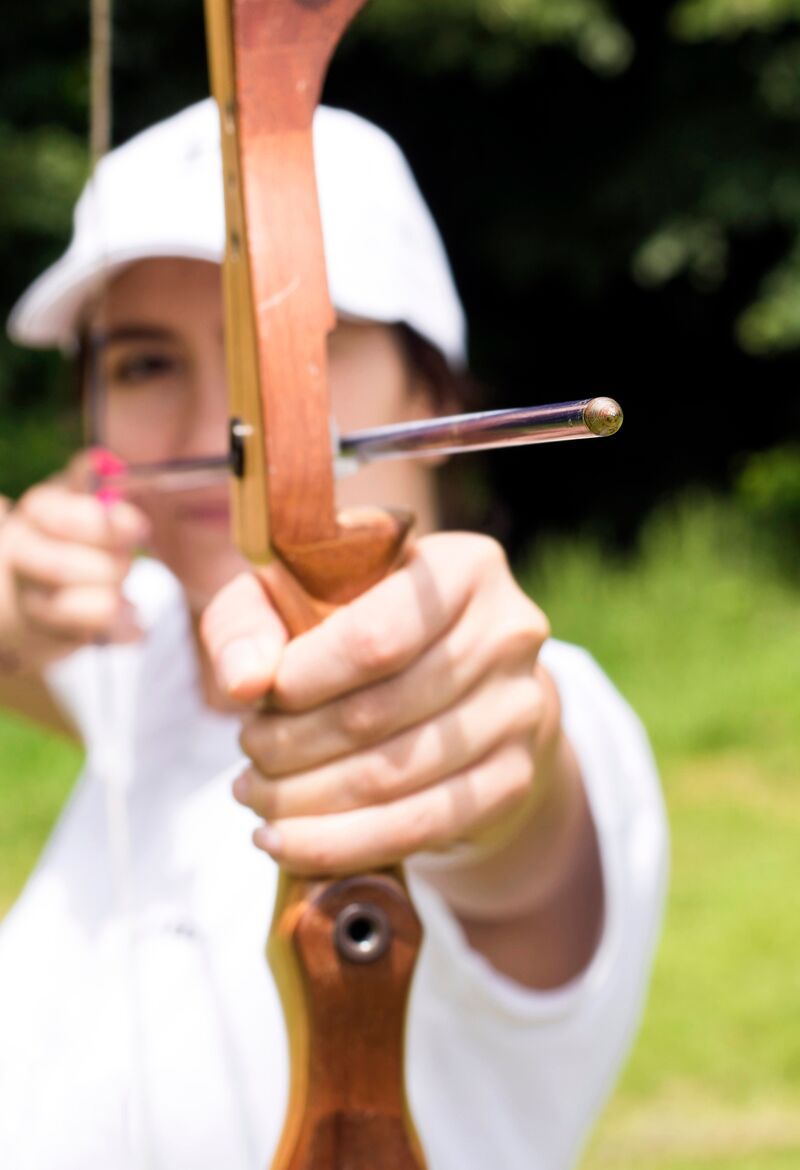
point(430, 721)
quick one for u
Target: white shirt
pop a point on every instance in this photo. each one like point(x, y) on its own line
point(140, 1028)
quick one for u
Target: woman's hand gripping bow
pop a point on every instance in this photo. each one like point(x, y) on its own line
point(417, 720)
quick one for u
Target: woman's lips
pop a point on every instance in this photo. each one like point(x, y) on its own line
point(212, 512)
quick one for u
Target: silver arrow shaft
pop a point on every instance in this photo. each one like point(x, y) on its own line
point(588, 418)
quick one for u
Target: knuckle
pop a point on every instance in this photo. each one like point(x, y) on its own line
point(245, 738)
point(540, 621)
point(371, 645)
point(479, 557)
point(318, 857)
point(36, 559)
point(420, 830)
point(50, 510)
point(507, 782)
point(36, 502)
point(92, 619)
point(535, 700)
point(252, 738)
point(104, 609)
point(526, 630)
point(489, 553)
point(270, 741)
point(283, 742)
point(518, 770)
point(49, 615)
point(526, 704)
point(367, 783)
point(364, 716)
point(266, 800)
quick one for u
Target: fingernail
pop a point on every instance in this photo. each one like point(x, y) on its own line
point(105, 463)
point(105, 466)
point(268, 838)
point(240, 662)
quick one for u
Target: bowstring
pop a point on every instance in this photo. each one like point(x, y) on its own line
point(107, 705)
point(100, 101)
point(111, 749)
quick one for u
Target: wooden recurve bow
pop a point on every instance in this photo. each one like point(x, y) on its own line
point(342, 951)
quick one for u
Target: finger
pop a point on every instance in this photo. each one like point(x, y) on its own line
point(244, 638)
point(87, 471)
point(382, 631)
point(63, 514)
point(501, 708)
point(468, 803)
point(280, 744)
point(80, 474)
point(80, 614)
point(57, 563)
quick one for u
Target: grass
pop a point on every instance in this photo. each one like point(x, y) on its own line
point(36, 773)
point(703, 635)
point(699, 630)
point(715, 1078)
point(704, 638)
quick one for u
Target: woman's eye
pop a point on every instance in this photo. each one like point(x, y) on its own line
point(146, 367)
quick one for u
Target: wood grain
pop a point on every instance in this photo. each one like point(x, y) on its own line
point(348, 1105)
point(345, 1016)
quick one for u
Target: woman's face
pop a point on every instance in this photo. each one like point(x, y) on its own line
point(162, 396)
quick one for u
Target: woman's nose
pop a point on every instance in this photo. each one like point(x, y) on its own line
point(207, 424)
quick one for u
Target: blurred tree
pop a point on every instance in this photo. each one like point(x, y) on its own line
point(42, 117)
point(769, 489)
point(618, 184)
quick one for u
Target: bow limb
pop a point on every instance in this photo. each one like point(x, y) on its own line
point(343, 951)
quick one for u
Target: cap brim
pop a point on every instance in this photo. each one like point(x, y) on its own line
point(48, 315)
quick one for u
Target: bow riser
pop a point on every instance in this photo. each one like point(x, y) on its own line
point(268, 63)
point(343, 952)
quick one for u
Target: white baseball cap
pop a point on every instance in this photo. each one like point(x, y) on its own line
point(160, 194)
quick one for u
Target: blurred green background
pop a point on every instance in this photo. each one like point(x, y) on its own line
point(619, 186)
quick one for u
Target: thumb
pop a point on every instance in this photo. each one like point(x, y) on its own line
point(244, 638)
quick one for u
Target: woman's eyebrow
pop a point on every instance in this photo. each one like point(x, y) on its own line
point(108, 337)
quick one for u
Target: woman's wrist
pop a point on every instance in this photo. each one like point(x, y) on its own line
point(510, 872)
point(511, 867)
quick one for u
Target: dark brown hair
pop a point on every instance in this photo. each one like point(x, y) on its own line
point(464, 499)
point(452, 391)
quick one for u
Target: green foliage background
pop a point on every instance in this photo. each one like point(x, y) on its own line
point(619, 186)
point(702, 634)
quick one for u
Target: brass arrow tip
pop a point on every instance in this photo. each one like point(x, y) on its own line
point(603, 416)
